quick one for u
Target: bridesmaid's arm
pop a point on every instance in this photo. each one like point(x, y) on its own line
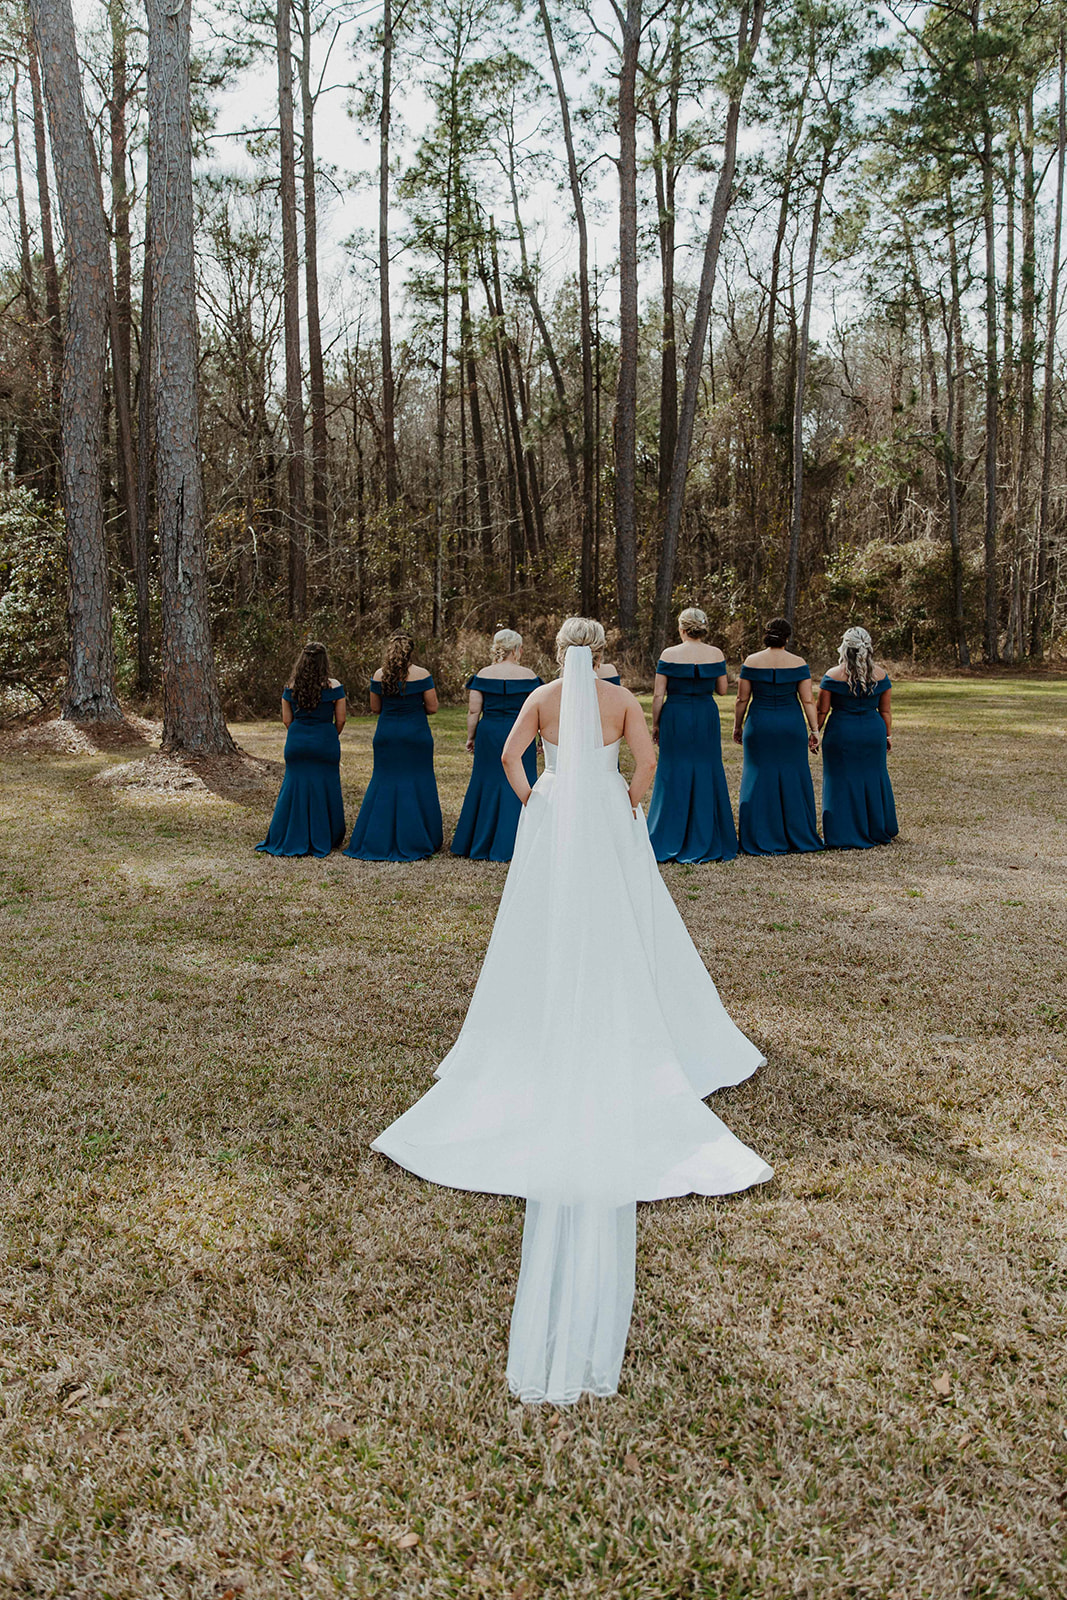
point(340, 713)
point(635, 732)
point(659, 694)
point(430, 701)
point(523, 730)
point(885, 710)
point(744, 695)
point(722, 684)
point(808, 704)
point(824, 706)
point(474, 711)
point(375, 698)
point(287, 713)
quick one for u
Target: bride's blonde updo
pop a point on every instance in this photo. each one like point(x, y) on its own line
point(581, 630)
point(505, 642)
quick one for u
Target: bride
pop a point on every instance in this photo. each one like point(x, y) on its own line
point(593, 1034)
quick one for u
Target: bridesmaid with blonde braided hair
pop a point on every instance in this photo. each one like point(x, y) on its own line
point(855, 704)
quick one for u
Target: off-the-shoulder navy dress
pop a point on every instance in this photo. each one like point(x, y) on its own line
point(690, 818)
point(400, 818)
point(490, 814)
point(309, 814)
point(777, 809)
point(858, 810)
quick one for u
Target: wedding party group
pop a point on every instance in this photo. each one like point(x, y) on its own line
point(597, 1101)
point(777, 721)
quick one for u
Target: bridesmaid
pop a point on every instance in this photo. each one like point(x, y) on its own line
point(609, 673)
point(777, 810)
point(309, 815)
point(690, 818)
point(490, 815)
point(400, 818)
point(857, 797)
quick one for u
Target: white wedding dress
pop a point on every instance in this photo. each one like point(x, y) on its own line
point(578, 1075)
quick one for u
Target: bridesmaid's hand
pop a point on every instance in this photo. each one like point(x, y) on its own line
point(813, 743)
point(739, 737)
point(889, 741)
point(470, 744)
point(655, 740)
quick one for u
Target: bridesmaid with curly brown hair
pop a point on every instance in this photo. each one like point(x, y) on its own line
point(400, 818)
point(309, 816)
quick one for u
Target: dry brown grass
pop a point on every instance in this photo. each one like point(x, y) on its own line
point(242, 1354)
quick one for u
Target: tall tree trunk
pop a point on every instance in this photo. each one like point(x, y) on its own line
point(626, 384)
point(25, 258)
point(1027, 350)
point(51, 274)
point(954, 369)
point(1037, 617)
point(587, 590)
point(320, 515)
point(192, 711)
point(748, 36)
point(392, 489)
point(120, 196)
point(442, 380)
point(796, 515)
point(294, 400)
point(481, 471)
point(144, 470)
point(665, 167)
point(511, 410)
point(992, 375)
point(90, 691)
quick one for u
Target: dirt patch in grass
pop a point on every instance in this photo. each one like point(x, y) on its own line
point(238, 1351)
point(236, 775)
point(57, 736)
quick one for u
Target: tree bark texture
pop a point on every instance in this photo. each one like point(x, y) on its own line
point(192, 711)
point(90, 691)
point(796, 515)
point(320, 514)
point(626, 389)
point(748, 36)
point(1037, 619)
point(294, 400)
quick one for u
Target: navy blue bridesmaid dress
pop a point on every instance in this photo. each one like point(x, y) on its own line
point(490, 815)
point(858, 810)
point(309, 814)
point(777, 809)
point(690, 818)
point(400, 818)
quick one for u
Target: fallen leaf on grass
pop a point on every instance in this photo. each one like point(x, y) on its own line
point(943, 1384)
point(407, 1541)
point(631, 1463)
point(287, 1555)
point(75, 1397)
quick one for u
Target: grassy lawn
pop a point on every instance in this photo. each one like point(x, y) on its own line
point(241, 1354)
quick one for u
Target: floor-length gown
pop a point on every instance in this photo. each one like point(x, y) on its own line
point(400, 818)
point(690, 818)
point(776, 813)
point(577, 1078)
point(490, 813)
point(858, 809)
point(309, 813)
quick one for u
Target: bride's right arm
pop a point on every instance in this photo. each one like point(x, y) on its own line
point(636, 734)
point(523, 731)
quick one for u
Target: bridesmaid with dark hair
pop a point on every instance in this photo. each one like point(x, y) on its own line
point(858, 810)
point(777, 809)
point(309, 815)
point(490, 815)
point(400, 818)
point(690, 818)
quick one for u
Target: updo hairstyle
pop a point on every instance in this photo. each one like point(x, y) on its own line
point(776, 633)
point(310, 675)
point(693, 623)
point(505, 642)
point(856, 654)
point(581, 631)
point(399, 649)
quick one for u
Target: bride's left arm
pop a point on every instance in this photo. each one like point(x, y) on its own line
point(636, 734)
point(523, 731)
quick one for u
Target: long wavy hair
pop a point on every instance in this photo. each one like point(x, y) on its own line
point(399, 649)
point(856, 654)
point(310, 675)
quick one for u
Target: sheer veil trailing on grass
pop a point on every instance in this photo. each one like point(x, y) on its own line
point(577, 1078)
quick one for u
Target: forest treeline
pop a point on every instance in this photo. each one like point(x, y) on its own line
point(820, 374)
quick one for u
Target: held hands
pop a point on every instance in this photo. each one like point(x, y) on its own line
point(813, 742)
